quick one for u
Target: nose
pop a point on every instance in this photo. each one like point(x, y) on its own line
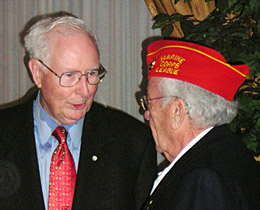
point(82, 88)
point(147, 115)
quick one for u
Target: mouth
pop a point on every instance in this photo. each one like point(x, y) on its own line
point(79, 106)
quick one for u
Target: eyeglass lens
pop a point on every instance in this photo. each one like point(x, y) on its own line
point(72, 78)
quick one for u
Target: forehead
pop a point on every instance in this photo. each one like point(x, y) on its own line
point(153, 87)
point(77, 47)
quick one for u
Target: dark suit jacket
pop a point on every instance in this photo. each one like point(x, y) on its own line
point(121, 177)
point(216, 173)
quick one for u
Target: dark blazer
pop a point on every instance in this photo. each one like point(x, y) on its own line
point(216, 173)
point(120, 178)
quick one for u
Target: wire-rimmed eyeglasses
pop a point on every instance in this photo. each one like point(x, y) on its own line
point(70, 79)
point(145, 101)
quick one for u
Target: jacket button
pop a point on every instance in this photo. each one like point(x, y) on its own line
point(94, 158)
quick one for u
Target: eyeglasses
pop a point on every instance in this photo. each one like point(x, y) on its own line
point(145, 101)
point(70, 79)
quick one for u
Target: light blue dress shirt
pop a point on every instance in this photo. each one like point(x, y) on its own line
point(44, 125)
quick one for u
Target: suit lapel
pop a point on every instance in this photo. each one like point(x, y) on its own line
point(95, 136)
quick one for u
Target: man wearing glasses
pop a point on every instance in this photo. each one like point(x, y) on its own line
point(189, 102)
point(64, 150)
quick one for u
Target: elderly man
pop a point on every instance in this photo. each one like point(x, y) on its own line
point(61, 149)
point(189, 99)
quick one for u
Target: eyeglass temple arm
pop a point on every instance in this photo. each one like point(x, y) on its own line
point(49, 68)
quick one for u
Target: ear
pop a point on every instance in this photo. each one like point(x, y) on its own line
point(36, 71)
point(178, 112)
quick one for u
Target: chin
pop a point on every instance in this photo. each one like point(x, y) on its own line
point(158, 149)
point(70, 121)
point(72, 118)
point(76, 118)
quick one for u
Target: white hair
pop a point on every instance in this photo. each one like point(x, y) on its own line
point(36, 39)
point(204, 107)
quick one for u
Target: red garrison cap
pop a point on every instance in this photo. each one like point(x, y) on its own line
point(195, 64)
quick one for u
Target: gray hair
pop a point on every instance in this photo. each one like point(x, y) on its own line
point(204, 107)
point(36, 40)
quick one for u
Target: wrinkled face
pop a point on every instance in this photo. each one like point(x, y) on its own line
point(158, 118)
point(71, 52)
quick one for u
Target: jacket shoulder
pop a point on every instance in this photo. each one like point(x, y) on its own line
point(119, 117)
point(14, 123)
point(15, 114)
point(121, 126)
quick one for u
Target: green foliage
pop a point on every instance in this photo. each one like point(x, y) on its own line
point(247, 122)
point(233, 29)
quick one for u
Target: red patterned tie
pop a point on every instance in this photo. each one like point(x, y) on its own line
point(62, 174)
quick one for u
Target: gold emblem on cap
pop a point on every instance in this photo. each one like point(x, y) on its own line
point(151, 65)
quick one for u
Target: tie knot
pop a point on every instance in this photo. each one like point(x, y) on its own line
point(60, 133)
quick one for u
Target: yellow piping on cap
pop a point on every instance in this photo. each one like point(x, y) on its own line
point(198, 51)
